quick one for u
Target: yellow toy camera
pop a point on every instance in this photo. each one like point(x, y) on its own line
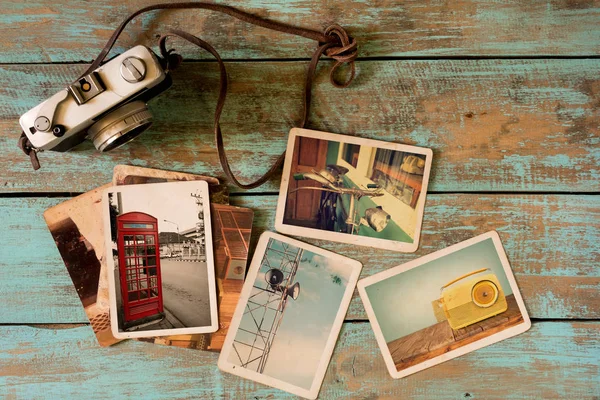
point(472, 297)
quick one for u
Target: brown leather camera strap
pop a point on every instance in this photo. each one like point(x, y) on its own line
point(173, 62)
point(334, 42)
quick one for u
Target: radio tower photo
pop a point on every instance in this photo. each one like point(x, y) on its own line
point(267, 303)
point(290, 308)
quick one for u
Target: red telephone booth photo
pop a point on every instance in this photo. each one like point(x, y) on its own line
point(139, 267)
point(152, 296)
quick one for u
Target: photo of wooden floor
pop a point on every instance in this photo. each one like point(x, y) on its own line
point(440, 338)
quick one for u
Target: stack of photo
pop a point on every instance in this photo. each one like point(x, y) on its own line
point(161, 257)
point(157, 255)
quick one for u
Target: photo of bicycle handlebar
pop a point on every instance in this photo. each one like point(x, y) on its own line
point(353, 190)
point(330, 177)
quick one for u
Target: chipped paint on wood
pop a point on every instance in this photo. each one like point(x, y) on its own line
point(62, 31)
point(503, 126)
point(551, 242)
point(551, 360)
point(493, 125)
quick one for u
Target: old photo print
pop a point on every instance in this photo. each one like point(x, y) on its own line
point(289, 315)
point(77, 228)
point(353, 190)
point(444, 305)
point(160, 259)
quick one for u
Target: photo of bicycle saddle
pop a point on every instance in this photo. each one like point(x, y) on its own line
point(353, 190)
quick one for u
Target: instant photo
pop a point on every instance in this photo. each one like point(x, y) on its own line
point(160, 259)
point(231, 229)
point(289, 315)
point(353, 190)
point(444, 305)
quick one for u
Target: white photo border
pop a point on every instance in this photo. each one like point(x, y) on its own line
point(387, 244)
point(210, 264)
point(315, 387)
point(494, 338)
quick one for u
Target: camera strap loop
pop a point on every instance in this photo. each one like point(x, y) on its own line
point(27, 148)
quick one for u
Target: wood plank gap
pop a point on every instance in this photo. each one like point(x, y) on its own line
point(407, 58)
point(71, 325)
point(362, 59)
point(61, 325)
point(39, 194)
point(363, 320)
point(565, 319)
point(526, 192)
point(271, 193)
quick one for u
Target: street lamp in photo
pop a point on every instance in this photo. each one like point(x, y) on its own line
point(174, 223)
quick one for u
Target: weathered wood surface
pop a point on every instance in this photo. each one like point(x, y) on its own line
point(493, 125)
point(497, 126)
point(550, 361)
point(551, 242)
point(58, 31)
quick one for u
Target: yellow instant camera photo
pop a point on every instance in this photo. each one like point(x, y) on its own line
point(472, 297)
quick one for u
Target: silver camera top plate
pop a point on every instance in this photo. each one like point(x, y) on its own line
point(108, 89)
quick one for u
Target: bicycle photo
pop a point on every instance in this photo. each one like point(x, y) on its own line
point(342, 188)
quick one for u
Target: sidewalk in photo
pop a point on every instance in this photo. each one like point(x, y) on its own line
point(169, 321)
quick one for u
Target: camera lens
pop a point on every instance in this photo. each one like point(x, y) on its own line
point(120, 126)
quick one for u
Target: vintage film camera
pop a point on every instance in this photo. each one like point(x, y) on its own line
point(107, 105)
point(471, 298)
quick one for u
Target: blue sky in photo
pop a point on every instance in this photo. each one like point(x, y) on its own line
point(171, 201)
point(306, 325)
point(402, 303)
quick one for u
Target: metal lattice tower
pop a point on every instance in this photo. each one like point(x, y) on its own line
point(266, 307)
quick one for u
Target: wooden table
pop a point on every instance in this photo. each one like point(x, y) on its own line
point(506, 94)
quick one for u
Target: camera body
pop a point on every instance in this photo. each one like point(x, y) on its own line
point(107, 105)
point(472, 298)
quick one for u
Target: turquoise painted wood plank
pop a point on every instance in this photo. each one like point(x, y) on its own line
point(66, 30)
point(493, 125)
point(552, 244)
point(552, 360)
point(30, 266)
point(551, 241)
